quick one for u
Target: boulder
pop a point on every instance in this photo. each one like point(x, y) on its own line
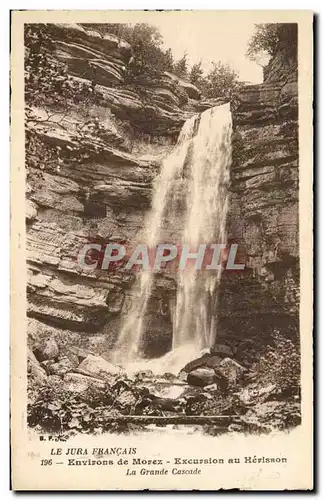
point(96, 366)
point(37, 379)
point(47, 365)
point(211, 388)
point(80, 353)
point(126, 399)
point(168, 392)
point(201, 377)
point(63, 366)
point(37, 373)
point(182, 376)
point(143, 375)
point(231, 370)
point(169, 376)
point(73, 358)
point(196, 363)
point(48, 349)
point(31, 357)
point(213, 361)
point(75, 382)
point(31, 210)
point(222, 350)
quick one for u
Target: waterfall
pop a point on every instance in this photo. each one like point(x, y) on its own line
point(189, 205)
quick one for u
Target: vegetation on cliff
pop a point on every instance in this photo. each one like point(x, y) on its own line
point(221, 81)
point(149, 58)
point(271, 37)
point(49, 87)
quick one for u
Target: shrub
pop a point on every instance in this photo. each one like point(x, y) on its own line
point(49, 87)
point(220, 81)
point(280, 364)
point(46, 80)
point(196, 73)
point(59, 411)
point(180, 67)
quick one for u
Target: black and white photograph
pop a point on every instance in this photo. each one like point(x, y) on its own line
point(162, 230)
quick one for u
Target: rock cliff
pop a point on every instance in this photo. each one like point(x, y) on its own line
point(263, 214)
point(90, 169)
point(94, 183)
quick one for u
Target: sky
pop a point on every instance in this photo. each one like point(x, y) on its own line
point(209, 38)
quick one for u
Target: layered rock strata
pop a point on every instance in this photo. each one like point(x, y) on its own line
point(102, 190)
point(99, 189)
point(263, 214)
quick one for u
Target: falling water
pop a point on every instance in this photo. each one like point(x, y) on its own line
point(191, 188)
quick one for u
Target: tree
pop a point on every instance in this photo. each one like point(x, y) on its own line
point(196, 73)
point(148, 56)
point(146, 33)
point(221, 81)
point(169, 60)
point(180, 67)
point(267, 38)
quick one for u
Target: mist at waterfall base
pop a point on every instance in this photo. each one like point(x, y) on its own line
point(189, 205)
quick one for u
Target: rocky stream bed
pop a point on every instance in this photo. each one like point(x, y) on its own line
point(80, 392)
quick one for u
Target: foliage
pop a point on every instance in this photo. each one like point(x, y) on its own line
point(268, 37)
point(151, 60)
point(49, 156)
point(180, 67)
point(148, 56)
point(67, 412)
point(46, 79)
point(169, 60)
point(220, 81)
point(196, 73)
point(280, 364)
point(49, 88)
